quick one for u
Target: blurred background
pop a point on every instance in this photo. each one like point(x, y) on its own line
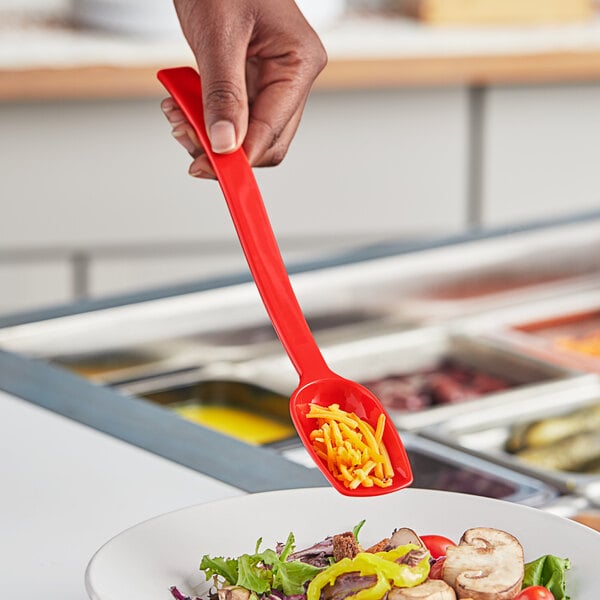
point(433, 117)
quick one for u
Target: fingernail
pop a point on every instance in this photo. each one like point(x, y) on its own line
point(167, 106)
point(199, 174)
point(222, 137)
point(183, 138)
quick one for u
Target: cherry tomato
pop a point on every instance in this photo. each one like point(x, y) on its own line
point(436, 544)
point(535, 592)
point(435, 571)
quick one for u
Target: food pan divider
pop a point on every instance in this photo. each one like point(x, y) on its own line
point(108, 368)
point(217, 371)
point(568, 505)
point(375, 284)
point(275, 371)
point(401, 352)
point(483, 432)
point(564, 256)
point(186, 317)
point(140, 340)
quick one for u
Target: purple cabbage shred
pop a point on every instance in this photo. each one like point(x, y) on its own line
point(178, 595)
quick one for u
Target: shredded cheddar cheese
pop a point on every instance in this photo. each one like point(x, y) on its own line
point(352, 449)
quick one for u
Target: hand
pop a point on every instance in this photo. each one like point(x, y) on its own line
point(258, 60)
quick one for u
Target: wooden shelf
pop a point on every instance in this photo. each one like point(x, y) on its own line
point(462, 70)
point(341, 74)
point(79, 82)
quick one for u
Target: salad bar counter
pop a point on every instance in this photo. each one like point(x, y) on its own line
point(484, 350)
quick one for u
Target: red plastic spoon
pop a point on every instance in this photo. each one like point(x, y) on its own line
point(318, 384)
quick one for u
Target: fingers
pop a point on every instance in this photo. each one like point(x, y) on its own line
point(181, 129)
point(201, 168)
point(280, 77)
point(266, 147)
point(274, 119)
point(172, 112)
point(183, 132)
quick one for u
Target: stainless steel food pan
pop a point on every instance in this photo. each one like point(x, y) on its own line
point(402, 353)
point(120, 365)
point(485, 433)
point(505, 322)
point(246, 412)
point(542, 329)
point(436, 466)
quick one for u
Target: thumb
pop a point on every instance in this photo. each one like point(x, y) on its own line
point(222, 68)
point(219, 32)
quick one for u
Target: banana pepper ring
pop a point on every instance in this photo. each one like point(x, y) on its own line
point(380, 564)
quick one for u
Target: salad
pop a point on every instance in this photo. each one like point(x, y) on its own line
point(485, 564)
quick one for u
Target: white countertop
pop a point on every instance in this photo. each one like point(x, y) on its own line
point(67, 489)
point(38, 45)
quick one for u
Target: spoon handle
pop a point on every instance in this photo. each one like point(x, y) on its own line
point(253, 229)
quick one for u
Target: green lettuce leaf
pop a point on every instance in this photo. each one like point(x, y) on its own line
point(227, 568)
point(288, 548)
point(251, 576)
point(288, 576)
point(550, 572)
point(248, 570)
point(357, 529)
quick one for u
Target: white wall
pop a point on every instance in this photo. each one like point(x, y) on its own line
point(96, 198)
point(88, 176)
point(541, 152)
point(36, 6)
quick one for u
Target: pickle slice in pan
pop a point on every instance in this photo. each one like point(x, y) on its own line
point(568, 454)
point(592, 467)
point(548, 431)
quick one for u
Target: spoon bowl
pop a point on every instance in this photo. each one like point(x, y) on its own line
point(353, 398)
point(318, 384)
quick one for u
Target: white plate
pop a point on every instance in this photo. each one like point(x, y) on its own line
point(142, 562)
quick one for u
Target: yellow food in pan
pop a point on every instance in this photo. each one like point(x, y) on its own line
point(241, 424)
point(588, 344)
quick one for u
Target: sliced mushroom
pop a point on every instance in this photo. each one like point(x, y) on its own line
point(432, 589)
point(233, 592)
point(404, 536)
point(400, 537)
point(486, 565)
